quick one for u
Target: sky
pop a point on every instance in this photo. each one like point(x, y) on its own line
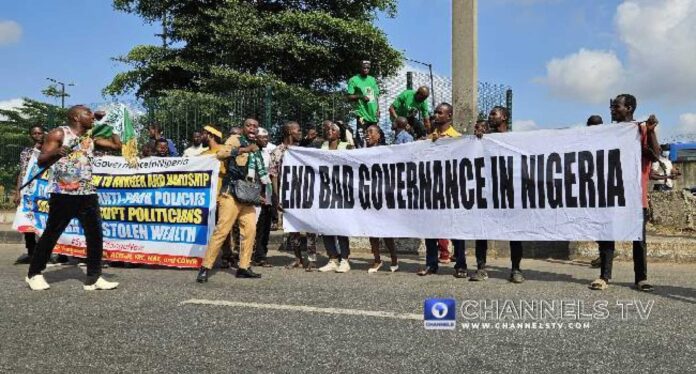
point(563, 59)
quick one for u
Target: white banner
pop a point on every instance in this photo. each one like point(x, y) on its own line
point(572, 184)
point(160, 213)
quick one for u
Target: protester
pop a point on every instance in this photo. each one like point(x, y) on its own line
point(291, 134)
point(410, 104)
point(263, 225)
point(594, 120)
point(337, 262)
point(239, 152)
point(443, 129)
point(147, 150)
point(497, 123)
point(622, 109)
point(162, 148)
point(211, 138)
point(155, 133)
point(663, 174)
point(36, 134)
point(68, 150)
point(363, 91)
point(310, 138)
point(196, 147)
point(373, 138)
point(401, 134)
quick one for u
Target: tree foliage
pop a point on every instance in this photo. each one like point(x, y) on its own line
point(14, 133)
point(217, 46)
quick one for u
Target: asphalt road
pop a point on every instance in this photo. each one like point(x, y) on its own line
point(160, 320)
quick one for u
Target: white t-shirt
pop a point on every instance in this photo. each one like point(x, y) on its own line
point(663, 168)
point(194, 151)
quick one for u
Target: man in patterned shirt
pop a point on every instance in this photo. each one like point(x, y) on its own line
point(69, 150)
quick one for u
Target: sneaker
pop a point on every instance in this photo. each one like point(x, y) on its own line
point(394, 268)
point(596, 263)
point(100, 284)
point(479, 275)
point(343, 267)
point(460, 273)
point(332, 265)
point(375, 267)
point(37, 283)
point(516, 276)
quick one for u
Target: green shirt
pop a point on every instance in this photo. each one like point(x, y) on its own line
point(406, 105)
point(365, 86)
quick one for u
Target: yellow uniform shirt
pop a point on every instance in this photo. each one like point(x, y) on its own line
point(449, 133)
point(212, 151)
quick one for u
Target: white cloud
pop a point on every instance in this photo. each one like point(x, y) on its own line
point(587, 75)
point(524, 125)
point(10, 104)
point(10, 32)
point(687, 124)
point(660, 40)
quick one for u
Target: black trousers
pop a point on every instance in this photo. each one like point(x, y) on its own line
point(640, 256)
point(330, 242)
point(515, 253)
point(30, 242)
point(62, 209)
point(263, 233)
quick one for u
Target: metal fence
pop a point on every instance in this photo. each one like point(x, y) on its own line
point(180, 118)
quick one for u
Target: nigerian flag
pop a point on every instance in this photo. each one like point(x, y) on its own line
point(118, 120)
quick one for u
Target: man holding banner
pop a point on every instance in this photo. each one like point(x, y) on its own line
point(69, 151)
point(444, 129)
point(622, 109)
point(497, 123)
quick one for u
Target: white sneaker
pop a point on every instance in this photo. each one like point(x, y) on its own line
point(375, 267)
point(37, 283)
point(394, 268)
point(332, 265)
point(100, 284)
point(343, 267)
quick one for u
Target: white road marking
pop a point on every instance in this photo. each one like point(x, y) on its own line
point(306, 309)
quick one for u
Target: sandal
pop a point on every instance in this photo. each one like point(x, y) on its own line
point(295, 264)
point(644, 286)
point(599, 285)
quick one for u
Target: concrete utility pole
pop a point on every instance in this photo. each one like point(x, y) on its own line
point(465, 63)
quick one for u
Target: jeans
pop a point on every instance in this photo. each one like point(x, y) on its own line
point(515, 253)
point(62, 209)
point(263, 233)
point(330, 242)
point(432, 250)
point(640, 260)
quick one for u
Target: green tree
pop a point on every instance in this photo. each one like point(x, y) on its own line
point(14, 131)
point(308, 47)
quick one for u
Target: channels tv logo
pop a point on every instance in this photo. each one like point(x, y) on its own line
point(439, 314)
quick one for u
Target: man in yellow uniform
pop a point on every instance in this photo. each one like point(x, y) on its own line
point(235, 152)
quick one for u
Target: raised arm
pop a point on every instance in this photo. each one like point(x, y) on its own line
point(113, 143)
point(52, 149)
